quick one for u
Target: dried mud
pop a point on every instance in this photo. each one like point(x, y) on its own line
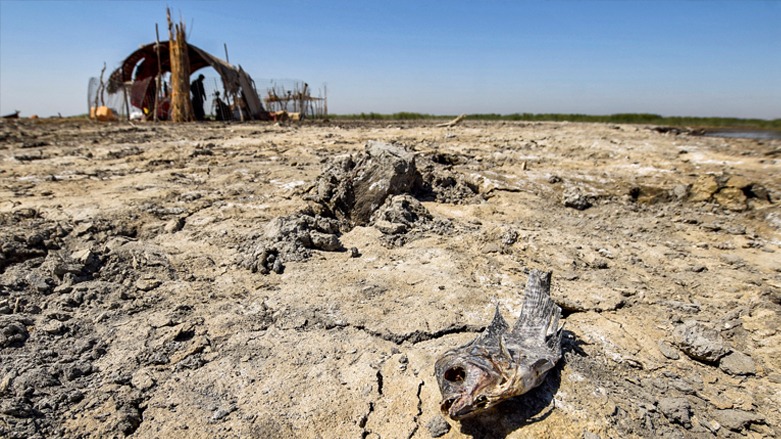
point(207, 280)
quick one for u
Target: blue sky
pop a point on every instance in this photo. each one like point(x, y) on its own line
point(675, 58)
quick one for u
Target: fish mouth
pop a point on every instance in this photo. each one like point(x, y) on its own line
point(463, 406)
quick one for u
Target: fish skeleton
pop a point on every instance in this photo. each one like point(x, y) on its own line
point(501, 362)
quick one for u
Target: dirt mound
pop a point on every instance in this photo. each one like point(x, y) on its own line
point(374, 189)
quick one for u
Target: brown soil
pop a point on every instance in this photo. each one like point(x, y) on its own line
point(131, 302)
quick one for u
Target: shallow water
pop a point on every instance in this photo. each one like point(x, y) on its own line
point(747, 134)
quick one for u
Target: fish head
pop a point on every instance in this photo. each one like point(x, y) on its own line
point(468, 383)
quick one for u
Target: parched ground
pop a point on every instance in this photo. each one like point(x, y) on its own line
point(127, 307)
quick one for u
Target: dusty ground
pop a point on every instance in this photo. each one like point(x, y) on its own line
point(127, 306)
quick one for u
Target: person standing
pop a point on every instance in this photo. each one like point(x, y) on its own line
point(199, 96)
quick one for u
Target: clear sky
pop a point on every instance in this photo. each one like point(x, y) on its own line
point(675, 58)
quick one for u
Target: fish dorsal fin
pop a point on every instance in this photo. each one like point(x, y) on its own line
point(539, 317)
point(491, 337)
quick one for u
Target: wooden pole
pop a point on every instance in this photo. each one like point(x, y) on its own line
point(101, 87)
point(159, 67)
point(181, 105)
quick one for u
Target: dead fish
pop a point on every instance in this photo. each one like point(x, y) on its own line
point(501, 363)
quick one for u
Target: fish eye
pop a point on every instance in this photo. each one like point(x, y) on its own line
point(455, 374)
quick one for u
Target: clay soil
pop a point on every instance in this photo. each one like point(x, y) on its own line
point(127, 307)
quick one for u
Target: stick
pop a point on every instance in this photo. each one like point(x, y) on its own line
point(453, 122)
point(100, 89)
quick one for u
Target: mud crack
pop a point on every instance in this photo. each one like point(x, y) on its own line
point(379, 382)
point(365, 419)
point(416, 418)
point(414, 337)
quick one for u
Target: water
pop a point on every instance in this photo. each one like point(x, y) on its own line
point(746, 134)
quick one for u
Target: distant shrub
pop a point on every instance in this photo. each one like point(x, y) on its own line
point(624, 118)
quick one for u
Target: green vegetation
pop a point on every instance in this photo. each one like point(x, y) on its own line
point(636, 118)
point(395, 116)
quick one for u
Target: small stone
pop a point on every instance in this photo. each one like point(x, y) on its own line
point(278, 267)
point(222, 412)
point(733, 398)
point(735, 229)
point(82, 255)
point(82, 229)
point(78, 369)
point(438, 426)
point(738, 363)
point(354, 252)
point(711, 227)
point(53, 327)
point(389, 228)
point(711, 425)
point(732, 199)
point(142, 380)
point(704, 188)
point(683, 386)
point(605, 253)
point(490, 248)
point(509, 237)
point(573, 198)
point(17, 407)
point(13, 334)
point(680, 191)
point(731, 259)
point(325, 242)
point(700, 342)
point(174, 225)
point(676, 410)
point(668, 350)
point(569, 275)
point(6, 381)
point(148, 284)
point(120, 377)
point(738, 182)
point(736, 420)
point(758, 192)
point(593, 300)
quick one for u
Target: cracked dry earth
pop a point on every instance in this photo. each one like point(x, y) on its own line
point(127, 308)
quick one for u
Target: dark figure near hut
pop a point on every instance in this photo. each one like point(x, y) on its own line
point(199, 96)
point(221, 110)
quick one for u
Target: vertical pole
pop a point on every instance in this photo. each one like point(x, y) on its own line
point(225, 45)
point(97, 94)
point(127, 105)
point(102, 86)
point(181, 106)
point(159, 67)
